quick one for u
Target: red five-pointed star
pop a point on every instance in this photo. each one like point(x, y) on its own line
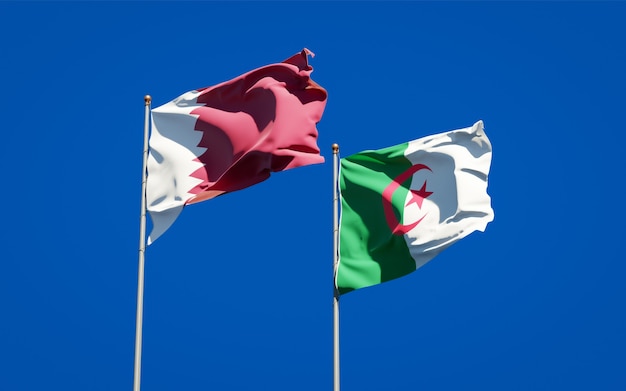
point(419, 196)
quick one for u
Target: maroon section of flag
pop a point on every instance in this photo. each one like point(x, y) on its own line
point(260, 122)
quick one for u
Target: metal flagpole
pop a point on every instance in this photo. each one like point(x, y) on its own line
point(142, 248)
point(335, 260)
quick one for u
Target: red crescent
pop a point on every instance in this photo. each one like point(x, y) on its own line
point(398, 228)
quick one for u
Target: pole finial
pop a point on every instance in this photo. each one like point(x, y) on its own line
point(147, 99)
point(335, 148)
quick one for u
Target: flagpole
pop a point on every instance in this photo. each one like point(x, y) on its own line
point(142, 249)
point(335, 260)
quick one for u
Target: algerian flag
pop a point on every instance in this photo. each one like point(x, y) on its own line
point(403, 205)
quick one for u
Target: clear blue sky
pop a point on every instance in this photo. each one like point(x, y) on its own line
point(239, 290)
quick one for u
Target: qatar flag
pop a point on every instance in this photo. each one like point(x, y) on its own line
point(230, 136)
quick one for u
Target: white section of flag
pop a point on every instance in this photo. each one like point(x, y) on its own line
point(460, 161)
point(171, 163)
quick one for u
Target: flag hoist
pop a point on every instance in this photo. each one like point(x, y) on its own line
point(336, 378)
point(142, 248)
